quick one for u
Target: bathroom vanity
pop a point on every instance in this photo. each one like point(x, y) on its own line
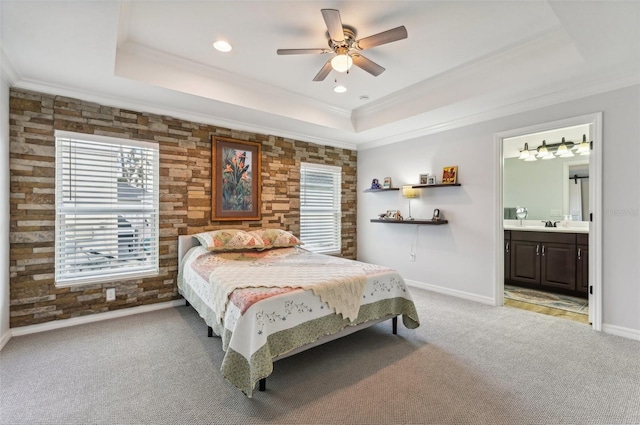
point(554, 259)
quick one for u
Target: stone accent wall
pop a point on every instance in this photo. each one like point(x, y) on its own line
point(185, 197)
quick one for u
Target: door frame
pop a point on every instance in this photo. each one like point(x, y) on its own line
point(594, 121)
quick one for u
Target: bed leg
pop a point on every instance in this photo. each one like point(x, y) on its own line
point(209, 331)
point(186, 303)
point(394, 325)
point(262, 384)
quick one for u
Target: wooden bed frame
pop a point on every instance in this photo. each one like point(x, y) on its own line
point(185, 243)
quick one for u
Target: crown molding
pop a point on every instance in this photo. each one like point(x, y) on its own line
point(602, 85)
point(554, 41)
point(266, 90)
point(135, 105)
point(7, 71)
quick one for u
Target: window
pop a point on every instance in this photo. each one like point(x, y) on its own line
point(320, 207)
point(106, 208)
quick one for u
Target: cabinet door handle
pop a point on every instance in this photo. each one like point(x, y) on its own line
point(543, 250)
point(538, 249)
point(507, 246)
point(579, 254)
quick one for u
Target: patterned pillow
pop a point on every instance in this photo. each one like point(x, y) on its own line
point(229, 240)
point(276, 238)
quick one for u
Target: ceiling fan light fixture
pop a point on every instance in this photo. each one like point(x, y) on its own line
point(222, 46)
point(342, 62)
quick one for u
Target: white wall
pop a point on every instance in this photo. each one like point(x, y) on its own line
point(460, 257)
point(4, 213)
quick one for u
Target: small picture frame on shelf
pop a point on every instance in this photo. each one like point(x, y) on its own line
point(387, 183)
point(391, 214)
point(424, 178)
point(450, 174)
point(431, 180)
point(436, 215)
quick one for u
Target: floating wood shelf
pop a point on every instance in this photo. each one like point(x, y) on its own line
point(417, 221)
point(382, 190)
point(420, 186)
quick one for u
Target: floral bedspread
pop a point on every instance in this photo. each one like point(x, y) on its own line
point(261, 323)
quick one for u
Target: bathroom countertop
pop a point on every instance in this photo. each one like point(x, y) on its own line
point(526, 228)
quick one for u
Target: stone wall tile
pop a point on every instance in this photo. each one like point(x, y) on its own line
point(185, 194)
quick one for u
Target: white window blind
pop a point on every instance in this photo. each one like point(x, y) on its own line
point(106, 208)
point(320, 207)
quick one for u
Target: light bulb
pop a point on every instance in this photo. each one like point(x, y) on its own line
point(339, 89)
point(524, 153)
point(341, 63)
point(222, 46)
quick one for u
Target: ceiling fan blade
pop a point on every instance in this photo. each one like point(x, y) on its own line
point(301, 51)
point(334, 24)
point(326, 69)
point(385, 37)
point(366, 64)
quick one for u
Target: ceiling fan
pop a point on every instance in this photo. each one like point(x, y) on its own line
point(342, 42)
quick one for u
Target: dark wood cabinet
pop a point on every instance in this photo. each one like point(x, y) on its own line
point(507, 253)
point(582, 264)
point(558, 265)
point(525, 262)
point(546, 260)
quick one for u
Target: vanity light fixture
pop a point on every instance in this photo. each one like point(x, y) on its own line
point(543, 152)
point(563, 151)
point(524, 153)
point(584, 148)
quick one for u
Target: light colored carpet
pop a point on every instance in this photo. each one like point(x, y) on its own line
point(467, 364)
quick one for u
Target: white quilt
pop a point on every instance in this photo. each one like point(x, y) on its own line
point(280, 323)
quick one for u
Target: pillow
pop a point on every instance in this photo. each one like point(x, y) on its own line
point(276, 238)
point(229, 240)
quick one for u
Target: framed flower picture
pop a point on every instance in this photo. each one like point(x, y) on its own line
point(235, 179)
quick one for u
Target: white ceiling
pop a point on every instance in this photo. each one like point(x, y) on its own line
point(463, 61)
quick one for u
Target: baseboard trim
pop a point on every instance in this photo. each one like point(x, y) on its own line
point(453, 292)
point(621, 331)
point(4, 339)
point(59, 324)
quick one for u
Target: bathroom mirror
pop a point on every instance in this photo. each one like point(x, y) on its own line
point(549, 189)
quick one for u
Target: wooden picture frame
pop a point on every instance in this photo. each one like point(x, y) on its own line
point(387, 183)
point(235, 179)
point(450, 174)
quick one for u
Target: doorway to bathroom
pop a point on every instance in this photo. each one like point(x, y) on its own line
point(549, 186)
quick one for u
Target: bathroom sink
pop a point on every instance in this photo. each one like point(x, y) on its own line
point(542, 228)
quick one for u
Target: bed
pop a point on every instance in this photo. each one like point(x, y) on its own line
point(269, 302)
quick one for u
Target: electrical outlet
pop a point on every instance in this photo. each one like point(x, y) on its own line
point(412, 257)
point(111, 294)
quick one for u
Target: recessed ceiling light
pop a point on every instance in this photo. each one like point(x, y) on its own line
point(222, 46)
point(339, 89)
